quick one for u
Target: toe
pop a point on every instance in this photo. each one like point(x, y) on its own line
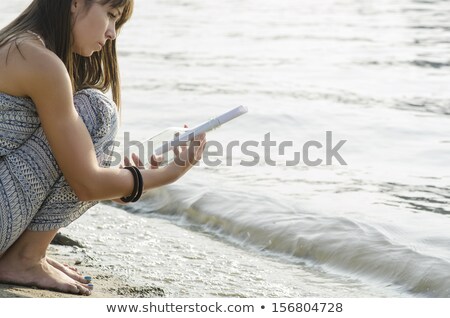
point(83, 290)
point(73, 268)
point(87, 278)
point(81, 279)
point(71, 288)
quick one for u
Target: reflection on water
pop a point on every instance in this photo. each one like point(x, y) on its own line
point(426, 198)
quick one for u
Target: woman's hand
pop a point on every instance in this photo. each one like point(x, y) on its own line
point(187, 156)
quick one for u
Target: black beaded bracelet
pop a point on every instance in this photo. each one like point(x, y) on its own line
point(135, 186)
point(140, 184)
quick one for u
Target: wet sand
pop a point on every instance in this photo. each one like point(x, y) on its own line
point(105, 285)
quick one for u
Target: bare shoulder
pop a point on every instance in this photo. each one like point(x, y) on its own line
point(41, 71)
point(31, 69)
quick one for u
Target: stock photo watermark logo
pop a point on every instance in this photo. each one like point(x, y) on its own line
point(215, 150)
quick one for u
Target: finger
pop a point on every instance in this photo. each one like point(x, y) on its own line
point(176, 135)
point(153, 163)
point(200, 137)
point(195, 144)
point(133, 158)
point(200, 151)
point(178, 160)
point(126, 162)
point(181, 156)
point(159, 159)
point(137, 161)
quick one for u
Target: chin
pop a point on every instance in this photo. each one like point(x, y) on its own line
point(84, 53)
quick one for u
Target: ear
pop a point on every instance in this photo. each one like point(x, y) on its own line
point(75, 6)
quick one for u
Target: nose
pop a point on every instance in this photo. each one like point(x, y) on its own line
point(111, 32)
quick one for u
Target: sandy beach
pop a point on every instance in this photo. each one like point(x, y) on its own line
point(132, 256)
point(105, 284)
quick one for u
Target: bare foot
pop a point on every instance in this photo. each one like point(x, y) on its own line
point(70, 271)
point(39, 274)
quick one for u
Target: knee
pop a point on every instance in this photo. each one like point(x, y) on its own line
point(98, 112)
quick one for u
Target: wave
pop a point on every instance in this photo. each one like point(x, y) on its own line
point(339, 244)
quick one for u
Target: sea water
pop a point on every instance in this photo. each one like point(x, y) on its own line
point(373, 75)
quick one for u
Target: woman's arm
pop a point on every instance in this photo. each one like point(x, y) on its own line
point(44, 78)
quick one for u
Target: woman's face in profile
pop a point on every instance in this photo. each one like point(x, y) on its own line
point(92, 28)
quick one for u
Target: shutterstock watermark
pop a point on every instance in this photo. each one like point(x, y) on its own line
point(255, 152)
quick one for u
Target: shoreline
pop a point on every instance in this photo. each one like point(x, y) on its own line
point(133, 255)
point(105, 284)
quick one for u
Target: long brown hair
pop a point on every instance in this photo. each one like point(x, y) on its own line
point(52, 20)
